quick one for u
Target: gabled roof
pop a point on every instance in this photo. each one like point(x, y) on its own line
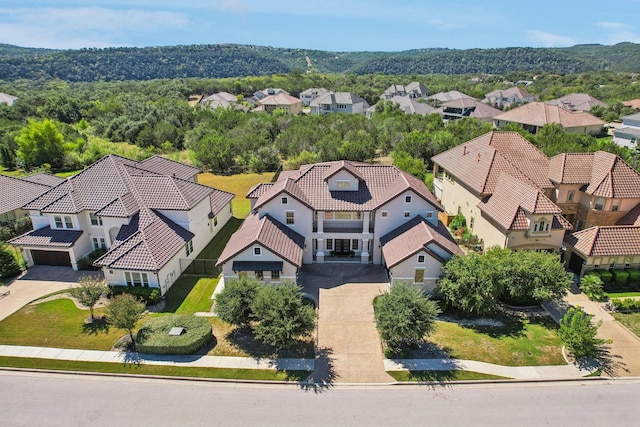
point(340, 166)
point(632, 103)
point(512, 200)
point(514, 91)
point(258, 190)
point(613, 178)
point(46, 236)
point(632, 217)
point(269, 233)
point(17, 192)
point(164, 166)
point(571, 168)
point(332, 98)
point(379, 184)
point(577, 102)
point(44, 178)
point(541, 113)
point(220, 97)
point(313, 91)
point(415, 236)
point(412, 106)
point(147, 243)
point(479, 110)
point(606, 241)
point(219, 199)
point(478, 163)
point(281, 98)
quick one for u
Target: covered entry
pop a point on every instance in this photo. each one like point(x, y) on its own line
point(60, 258)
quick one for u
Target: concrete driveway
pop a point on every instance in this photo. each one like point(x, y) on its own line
point(348, 348)
point(36, 282)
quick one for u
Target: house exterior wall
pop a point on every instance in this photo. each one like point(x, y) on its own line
point(343, 176)
point(625, 139)
point(601, 263)
point(406, 272)
point(303, 219)
point(289, 271)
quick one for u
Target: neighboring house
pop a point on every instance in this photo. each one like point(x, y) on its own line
point(577, 102)
point(535, 115)
point(16, 192)
point(466, 107)
point(222, 100)
point(261, 94)
point(408, 105)
point(341, 212)
point(338, 102)
point(10, 100)
point(280, 101)
point(413, 90)
point(442, 97)
point(151, 217)
point(505, 98)
point(310, 94)
point(633, 103)
point(629, 133)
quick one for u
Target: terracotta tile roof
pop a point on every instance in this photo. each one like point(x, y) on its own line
point(613, 178)
point(513, 199)
point(17, 192)
point(540, 113)
point(379, 185)
point(47, 236)
point(163, 166)
point(122, 207)
point(606, 241)
point(571, 168)
point(147, 243)
point(632, 217)
point(44, 178)
point(633, 103)
point(281, 98)
point(478, 163)
point(268, 233)
point(414, 236)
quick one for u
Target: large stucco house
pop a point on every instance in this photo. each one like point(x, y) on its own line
point(338, 102)
point(629, 133)
point(534, 115)
point(151, 217)
point(341, 212)
point(506, 98)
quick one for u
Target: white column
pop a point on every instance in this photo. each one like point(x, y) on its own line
point(320, 222)
point(364, 255)
point(320, 253)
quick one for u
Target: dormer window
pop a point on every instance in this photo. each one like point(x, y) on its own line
point(342, 185)
point(541, 226)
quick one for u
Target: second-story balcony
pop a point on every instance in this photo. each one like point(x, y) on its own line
point(337, 226)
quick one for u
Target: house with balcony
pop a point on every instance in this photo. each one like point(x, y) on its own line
point(629, 133)
point(341, 212)
point(151, 218)
point(467, 107)
point(338, 102)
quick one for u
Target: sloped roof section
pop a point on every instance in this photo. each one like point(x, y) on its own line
point(343, 165)
point(606, 241)
point(269, 233)
point(219, 199)
point(632, 217)
point(415, 236)
point(613, 178)
point(541, 113)
point(571, 168)
point(44, 178)
point(17, 192)
point(478, 163)
point(163, 166)
point(47, 236)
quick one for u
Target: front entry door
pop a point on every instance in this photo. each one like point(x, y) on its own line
point(342, 245)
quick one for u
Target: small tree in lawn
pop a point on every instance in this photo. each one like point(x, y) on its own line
point(404, 315)
point(89, 290)
point(124, 312)
point(233, 304)
point(281, 315)
point(578, 334)
point(591, 285)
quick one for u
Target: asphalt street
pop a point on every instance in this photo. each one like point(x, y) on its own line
point(80, 400)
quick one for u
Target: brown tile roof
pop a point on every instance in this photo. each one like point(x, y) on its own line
point(613, 178)
point(478, 163)
point(571, 168)
point(379, 185)
point(633, 103)
point(269, 233)
point(258, 190)
point(606, 241)
point(514, 91)
point(17, 192)
point(513, 199)
point(46, 236)
point(577, 102)
point(147, 243)
point(415, 236)
point(44, 178)
point(281, 98)
point(632, 217)
point(342, 165)
point(163, 166)
point(540, 113)
point(219, 199)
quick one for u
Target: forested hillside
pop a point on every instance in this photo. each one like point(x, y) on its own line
point(231, 60)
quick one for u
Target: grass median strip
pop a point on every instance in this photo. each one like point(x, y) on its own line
point(442, 376)
point(142, 369)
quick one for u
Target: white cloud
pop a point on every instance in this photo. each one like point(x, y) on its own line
point(550, 40)
point(618, 32)
point(74, 28)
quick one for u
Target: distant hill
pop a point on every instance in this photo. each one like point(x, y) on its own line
point(232, 60)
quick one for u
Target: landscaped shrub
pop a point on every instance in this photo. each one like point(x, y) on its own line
point(606, 276)
point(626, 305)
point(86, 263)
point(8, 264)
point(146, 294)
point(634, 277)
point(591, 285)
point(153, 336)
point(620, 277)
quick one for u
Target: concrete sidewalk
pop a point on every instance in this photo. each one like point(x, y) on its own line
point(155, 359)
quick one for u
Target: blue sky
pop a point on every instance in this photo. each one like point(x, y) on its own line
point(336, 25)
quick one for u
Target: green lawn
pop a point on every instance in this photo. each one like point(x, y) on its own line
point(140, 369)
point(215, 247)
point(190, 294)
point(518, 343)
point(238, 185)
point(440, 376)
point(628, 294)
point(630, 320)
point(57, 323)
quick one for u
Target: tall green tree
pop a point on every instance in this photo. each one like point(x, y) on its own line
point(579, 333)
point(40, 143)
point(124, 311)
point(89, 290)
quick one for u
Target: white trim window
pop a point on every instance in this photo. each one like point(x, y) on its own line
point(284, 200)
point(419, 275)
point(408, 198)
point(136, 278)
point(290, 217)
point(98, 243)
point(95, 219)
point(421, 258)
point(343, 184)
point(384, 214)
point(406, 214)
point(257, 251)
point(188, 247)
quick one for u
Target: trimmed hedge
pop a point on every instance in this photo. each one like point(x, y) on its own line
point(634, 277)
point(605, 275)
point(620, 277)
point(137, 291)
point(153, 337)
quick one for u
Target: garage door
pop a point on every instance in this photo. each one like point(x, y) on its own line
point(51, 258)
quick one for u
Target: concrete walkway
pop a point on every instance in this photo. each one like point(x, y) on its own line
point(155, 359)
